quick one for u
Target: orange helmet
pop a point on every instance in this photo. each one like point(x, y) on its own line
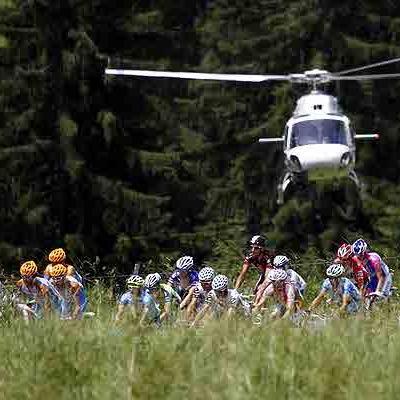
point(57, 256)
point(58, 270)
point(28, 268)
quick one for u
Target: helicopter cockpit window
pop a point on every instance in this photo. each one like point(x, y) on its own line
point(320, 131)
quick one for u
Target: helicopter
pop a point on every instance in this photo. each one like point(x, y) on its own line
point(317, 137)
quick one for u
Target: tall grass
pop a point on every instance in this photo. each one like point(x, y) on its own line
point(95, 359)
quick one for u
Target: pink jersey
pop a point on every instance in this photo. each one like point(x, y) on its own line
point(373, 264)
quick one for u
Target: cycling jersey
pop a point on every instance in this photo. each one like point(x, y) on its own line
point(71, 291)
point(173, 294)
point(360, 274)
point(71, 271)
point(345, 287)
point(232, 300)
point(266, 289)
point(155, 305)
point(261, 262)
point(200, 294)
point(127, 299)
point(183, 286)
point(37, 292)
point(287, 296)
point(296, 280)
point(373, 263)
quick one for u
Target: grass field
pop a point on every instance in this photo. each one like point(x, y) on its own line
point(94, 359)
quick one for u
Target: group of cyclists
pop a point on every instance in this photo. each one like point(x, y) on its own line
point(355, 276)
point(59, 290)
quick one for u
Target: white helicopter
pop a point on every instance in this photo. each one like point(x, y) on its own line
point(317, 137)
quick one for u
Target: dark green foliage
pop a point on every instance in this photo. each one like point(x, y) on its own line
point(132, 169)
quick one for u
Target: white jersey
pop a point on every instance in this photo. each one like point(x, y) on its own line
point(296, 280)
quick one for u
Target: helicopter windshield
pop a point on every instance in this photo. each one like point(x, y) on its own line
point(319, 131)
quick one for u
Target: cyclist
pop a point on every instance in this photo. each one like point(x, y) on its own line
point(156, 301)
point(184, 279)
point(133, 298)
point(283, 262)
point(266, 288)
point(341, 291)
point(41, 295)
point(259, 257)
point(197, 299)
point(74, 297)
point(58, 256)
point(285, 292)
point(345, 257)
point(380, 278)
point(222, 301)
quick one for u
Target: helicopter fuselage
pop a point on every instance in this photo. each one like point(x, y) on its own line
point(318, 141)
point(317, 138)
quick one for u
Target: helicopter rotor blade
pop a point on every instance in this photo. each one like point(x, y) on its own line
point(364, 77)
point(358, 69)
point(197, 75)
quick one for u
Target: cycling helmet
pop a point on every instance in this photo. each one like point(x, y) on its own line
point(206, 274)
point(220, 283)
point(277, 275)
point(134, 281)
point(281, 262)
point(58, 270)
point(344, 251)
point(258, 240)
point(359, 247)
point(57, 256)
point(28, 268)
point(184, 263)
point(335, 271)
point(152, 281)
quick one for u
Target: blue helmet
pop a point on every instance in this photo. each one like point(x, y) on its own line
point(359, 247)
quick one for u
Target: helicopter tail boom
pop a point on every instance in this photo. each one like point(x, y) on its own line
point(270, 140)
point(367, 136)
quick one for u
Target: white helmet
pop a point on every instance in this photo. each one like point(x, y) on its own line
point(206, 274)
point(220, 283)
point(277, 275)
point(135, 281)
point(335, 270)
point(152, 280)
point(281, 262)
point(185, 263)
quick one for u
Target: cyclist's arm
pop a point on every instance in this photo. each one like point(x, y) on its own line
point(231, 311)
point(188, 298)
point(201, 314)
point(191, 310)
point(345, 302)
point(167, 309)
point(317, 301)
point(242, 274)
point(265, 293)
point(145, 313)
point(76, 291)
point(120, 312)
point(381, 279)
point(289, 310)
point(45, 294)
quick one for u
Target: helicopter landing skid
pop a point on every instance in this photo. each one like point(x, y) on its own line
point(299, 181)
point(289, 182)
